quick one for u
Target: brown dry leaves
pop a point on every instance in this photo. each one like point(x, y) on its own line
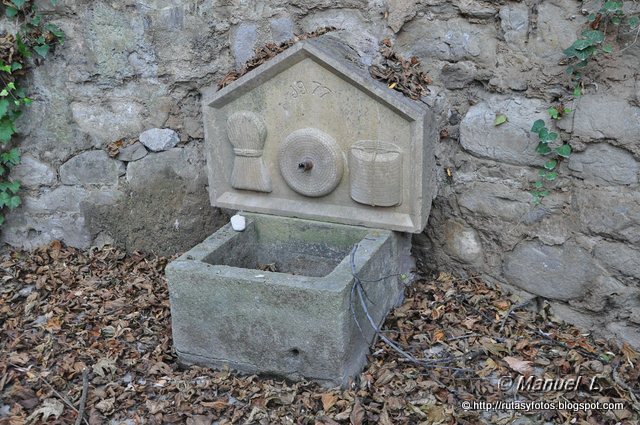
point(403, 75)
point(269, 51)
point(63, 310)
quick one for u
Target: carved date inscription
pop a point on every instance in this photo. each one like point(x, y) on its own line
point(315, 88)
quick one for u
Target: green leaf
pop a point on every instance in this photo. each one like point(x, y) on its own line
point(570, 52)
point(551, 176)
point(611, 6)
point(6, 130)
point(42, 50)
point(4, 93)
point(4, 107)
point(550, 165)
point(11, 86)
point(500, 119)
point(36, 20)
point(14, 202)
point(586, 53)
point(577, 92)
point(616, 21)
point(16, 66)
point(537, 126)
point(581, 44)
point(4, 199)
point(55, 30)
point(553, 113)
point(592, 17)
point(634, 22)
point(11, 157)
point(607, 48)
point(564, 150)
point(543, 149)
point(18, 3)
point(594, 36)
point(11, 12)
point(14, 187)
point(552, 136)
point(54, 2)
point(537, 184)
point(542, 173)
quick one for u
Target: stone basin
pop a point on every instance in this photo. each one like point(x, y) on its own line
point(230, 309)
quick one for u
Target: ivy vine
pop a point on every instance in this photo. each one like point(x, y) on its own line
point(32, 43)
point(604, 27)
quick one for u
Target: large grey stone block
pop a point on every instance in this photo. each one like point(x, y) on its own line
point(605, 164)
point(295, 322)
point(91, 167)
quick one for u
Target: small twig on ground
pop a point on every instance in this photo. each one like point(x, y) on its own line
point(61, 397)
point(83, 396)
point(512, 309)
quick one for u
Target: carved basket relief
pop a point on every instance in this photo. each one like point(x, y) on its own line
point(376, 173)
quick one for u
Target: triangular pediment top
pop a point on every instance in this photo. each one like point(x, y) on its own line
point(328, 52)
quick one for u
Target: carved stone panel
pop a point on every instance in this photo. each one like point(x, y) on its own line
point(336, 146)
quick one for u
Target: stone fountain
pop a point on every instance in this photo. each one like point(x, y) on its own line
point(319, 158)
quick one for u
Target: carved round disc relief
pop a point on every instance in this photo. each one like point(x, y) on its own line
point(311, 162)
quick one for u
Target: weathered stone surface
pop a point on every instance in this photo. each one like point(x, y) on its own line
point(556, 29)
point(33, 173)
point(623, 331)
point(159, 139)
point(56, 214)
point(91, 167)
point(459, 74)
point(604, 164)
point(132, 152)
point(512, 142)
point(243, 41)
point(556, 272)
point(400, 11)
point(282, 29)
point(167, 197)
point(610, 213)
point(296, 323)
point(452, 40)
point(599, 116)
point(495, 200)
point(462, 242)
point(620, 257)
point(514, 20)
point(109, 122)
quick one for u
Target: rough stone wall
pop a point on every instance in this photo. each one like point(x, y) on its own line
point(129, 66)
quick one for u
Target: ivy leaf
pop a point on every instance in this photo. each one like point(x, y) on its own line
point(594, 36)
point(16, 66)
point(6, 130)
point(13, 187)
point(4, 107)
point(581, 44)
point(552, 136)
point(18, 3)
point(4, 93)
point(13, 202)
point(551, 176)
point(608, 48)
point(542, 173)
point(543, 149)
point(611, 6)
point(42, 50)
point(11, 157)
point(4, 199)
point(592, 17)
point(500, 119)
point(564, 150)
point(550, 165)
point(537, 126)
point(11, 12)
point(634, 22)
point(577, 92)
point(537, 184)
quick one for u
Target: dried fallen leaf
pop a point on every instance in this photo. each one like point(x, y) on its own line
point(104, 365)
point(357, 413)
point(521, 366)
point(50, 407)
point(328, 400)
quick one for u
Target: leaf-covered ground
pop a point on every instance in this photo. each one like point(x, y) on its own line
point(63, 311)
